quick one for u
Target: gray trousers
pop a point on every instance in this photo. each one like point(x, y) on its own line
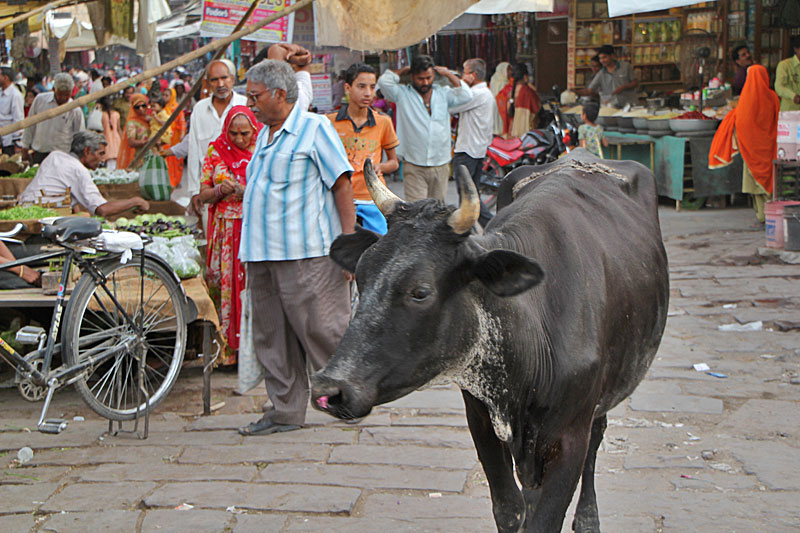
point(301, 310)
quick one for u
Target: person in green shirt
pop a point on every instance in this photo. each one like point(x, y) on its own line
point(787, 78)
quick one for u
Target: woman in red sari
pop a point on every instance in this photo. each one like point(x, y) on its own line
point(222, 186)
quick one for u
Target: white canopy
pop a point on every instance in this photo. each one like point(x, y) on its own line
point(617, 8)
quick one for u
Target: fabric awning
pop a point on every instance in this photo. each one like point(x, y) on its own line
point(392, 24)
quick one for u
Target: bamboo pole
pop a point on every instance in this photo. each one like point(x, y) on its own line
point(36, 11)
point(111, 89)
point(140, 154)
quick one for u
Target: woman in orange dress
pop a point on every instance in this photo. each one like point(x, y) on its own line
point(177, 132)
point(752, 129)
point(137, 130)
point(222, 186)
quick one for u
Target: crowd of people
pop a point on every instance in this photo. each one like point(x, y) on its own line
point(274, 183)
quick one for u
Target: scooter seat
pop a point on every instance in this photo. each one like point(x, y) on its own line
point(507, 145)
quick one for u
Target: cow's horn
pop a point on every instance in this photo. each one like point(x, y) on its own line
point(467, 213)
point(385, 199)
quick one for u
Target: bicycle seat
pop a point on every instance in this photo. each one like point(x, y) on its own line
point(507, 145)
point(71, 229)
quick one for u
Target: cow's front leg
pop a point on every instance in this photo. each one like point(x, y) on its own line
point(562, 462)
point(587, 519)
point(507, 501)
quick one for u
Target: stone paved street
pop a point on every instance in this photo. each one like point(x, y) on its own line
point(688, 452)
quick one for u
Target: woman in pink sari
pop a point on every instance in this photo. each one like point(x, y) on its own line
point(222, 186)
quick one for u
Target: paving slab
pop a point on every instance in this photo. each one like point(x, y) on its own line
point(100, 522)
point(640, 461)
point(194, 520)
point(345, 434)
point(416, 507)
point(313, 418)
point(713, 481)
point(775, 464)
point(38, 441)
point(442, 437)
point(32, 475)
point(258, 523)
point(675, 403)
point(453, 458)
point(175, 438)
point(366, 476)
point(440, 398)
point(16, 523)
point(371, 525)
point(444, 420)
point(98, 496)
point(95, 455)
point(254, 450)
point(25, 498)
point(761, 419)
point(168, 472)
point(259, 497)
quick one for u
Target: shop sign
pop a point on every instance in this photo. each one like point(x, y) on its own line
point(560, 10)
point(220, 17)
point(322, 84)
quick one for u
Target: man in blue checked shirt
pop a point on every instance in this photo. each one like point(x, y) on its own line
point(423, 125)
point(298, 199)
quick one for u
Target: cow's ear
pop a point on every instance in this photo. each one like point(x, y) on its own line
point(507, 273)
point(346, 250)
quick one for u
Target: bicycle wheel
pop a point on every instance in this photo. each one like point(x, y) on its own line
point(96, 324)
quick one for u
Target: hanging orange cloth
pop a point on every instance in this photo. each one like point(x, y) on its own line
point(750, 128)
point(135, 125)
point(178, 130)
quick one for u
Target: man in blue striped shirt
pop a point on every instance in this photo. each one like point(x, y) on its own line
point(298, 199)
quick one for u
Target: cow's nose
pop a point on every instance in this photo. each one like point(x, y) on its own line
point(325, 395)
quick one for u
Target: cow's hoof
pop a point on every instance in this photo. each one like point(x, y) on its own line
point(510, 522)
point(586, 525)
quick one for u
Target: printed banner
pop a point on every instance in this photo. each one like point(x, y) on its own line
point(220, 17)
point(322, 84)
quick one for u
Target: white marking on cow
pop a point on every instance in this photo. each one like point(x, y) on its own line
point(482, 372)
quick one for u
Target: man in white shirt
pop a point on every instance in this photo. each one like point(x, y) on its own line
point(475, 125)
point(54, 133)
point(11, 108)
point(97, 81)
point(61, 171)
point(205, 125)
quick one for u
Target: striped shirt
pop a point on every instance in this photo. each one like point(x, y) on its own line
point(289, 210)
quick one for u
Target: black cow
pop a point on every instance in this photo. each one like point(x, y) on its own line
point(546, 321)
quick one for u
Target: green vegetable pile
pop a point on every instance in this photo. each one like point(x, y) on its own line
point(157, 224)
point(30, 212)
point(29, 173)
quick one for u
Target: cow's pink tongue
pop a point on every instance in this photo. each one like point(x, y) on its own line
point(322, 401)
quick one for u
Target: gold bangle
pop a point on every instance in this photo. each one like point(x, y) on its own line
point(21, 270)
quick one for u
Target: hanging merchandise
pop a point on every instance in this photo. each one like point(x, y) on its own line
point(120, 18)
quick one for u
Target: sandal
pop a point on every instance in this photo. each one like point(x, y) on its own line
point(265, 426)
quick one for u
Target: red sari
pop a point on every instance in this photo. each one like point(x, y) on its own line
point(502, 105)
point(225, 274)
point(135, 126)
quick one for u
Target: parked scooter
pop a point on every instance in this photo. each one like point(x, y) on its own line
point(536, 147)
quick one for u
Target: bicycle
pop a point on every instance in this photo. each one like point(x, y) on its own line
point(124, 331)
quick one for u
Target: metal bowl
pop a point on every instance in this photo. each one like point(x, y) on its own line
point(640, 123)
point(625, 122)
point(692, 125)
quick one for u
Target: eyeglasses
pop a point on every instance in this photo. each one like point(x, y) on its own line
point(140, 106)
point(254, 96)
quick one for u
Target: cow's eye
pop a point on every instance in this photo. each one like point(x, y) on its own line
point(420, 294)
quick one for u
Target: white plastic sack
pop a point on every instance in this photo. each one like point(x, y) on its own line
point(251, 373)
point(120, 241)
